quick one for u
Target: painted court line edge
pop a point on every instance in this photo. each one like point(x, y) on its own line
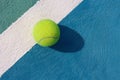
point(17, 39)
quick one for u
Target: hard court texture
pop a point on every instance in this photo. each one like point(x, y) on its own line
point(89, 47)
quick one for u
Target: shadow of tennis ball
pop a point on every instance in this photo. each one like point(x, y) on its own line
point(70, 40)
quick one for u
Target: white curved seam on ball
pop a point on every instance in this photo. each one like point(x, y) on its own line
point(47, 38)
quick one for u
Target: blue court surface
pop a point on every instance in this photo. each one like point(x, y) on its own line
point(89, 47)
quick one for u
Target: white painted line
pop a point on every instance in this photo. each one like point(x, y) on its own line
point(17, 39)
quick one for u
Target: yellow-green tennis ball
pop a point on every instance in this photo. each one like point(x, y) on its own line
point(46, 33)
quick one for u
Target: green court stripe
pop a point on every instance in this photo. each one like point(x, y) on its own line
point(11, 10)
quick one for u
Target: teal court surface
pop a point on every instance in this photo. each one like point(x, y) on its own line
point(89, 47)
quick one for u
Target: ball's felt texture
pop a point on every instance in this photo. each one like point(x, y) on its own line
point(46, 33)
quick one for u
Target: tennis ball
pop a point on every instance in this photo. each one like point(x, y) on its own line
point(46, 33)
